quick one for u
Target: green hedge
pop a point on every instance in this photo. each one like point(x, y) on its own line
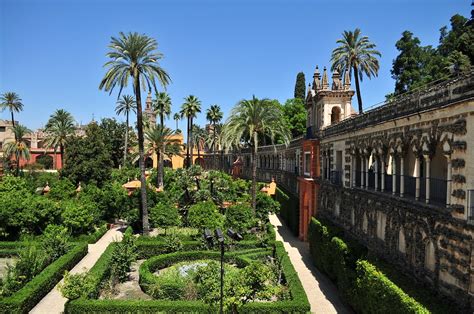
point(298, 304)
point(360, 283)
point(27, 297)
point(289, 210)
point(93, 237)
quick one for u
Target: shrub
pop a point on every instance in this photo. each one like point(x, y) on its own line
point(79, 218)
point(205, 215)
point(265, 204)
point(239, 217)
point(62, 190)
point(77, 285)
point(123, 256)
point(289, 209)
point(164, 215)
point(55, 241)
point(173, 243)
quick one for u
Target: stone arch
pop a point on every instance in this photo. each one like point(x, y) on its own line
point(335, 114)
point(430, 254)
point(401, 240)
point(365, 222)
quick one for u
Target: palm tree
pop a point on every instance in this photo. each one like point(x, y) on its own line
point(199, 138)
point(159, 137)
point(214, 115)
point(59, 128)
point(12, 102)
point(189, 109)
point(162, 106)
point(18, 148)
point(356, 53)
point(250, 120)
point(124, 106)
point(134, 56)
point(177, 117)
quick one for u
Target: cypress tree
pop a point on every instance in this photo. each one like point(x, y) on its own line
point(300, 86)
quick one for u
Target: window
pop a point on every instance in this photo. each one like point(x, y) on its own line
point(307, 163)
point(3, 129)
point(1, 145)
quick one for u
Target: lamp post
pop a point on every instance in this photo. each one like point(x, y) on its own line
point(221, 240)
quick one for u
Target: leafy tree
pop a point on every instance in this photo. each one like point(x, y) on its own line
point(266, 204)
point(249, 120)
point(295, 115)
point(460, 38)
point(205, 215)
point(136, 56)
point(55, 241)
point(125, 105)
point(88, 158)
point(45, 161)
point(239, 217)
point(114, 133)
point(356, 53)
point(79, 218)
point(164, 215)
point(37, 213)
point(18, 148)
point(62, 189)
point(59, 128)
point(160, 137)
point(12, 102)
point(300, 86)
point(124, 254)
point(189, 109)
point(214, 115)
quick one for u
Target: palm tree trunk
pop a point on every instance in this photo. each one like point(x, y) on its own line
point(176, 125)
point(214, 146)
point(13, 125)
point(125, 149)
point(61, 153)
point(141, 158)
point(188, 142)
point(359, 97)
point(161, 154)
point(254, 173)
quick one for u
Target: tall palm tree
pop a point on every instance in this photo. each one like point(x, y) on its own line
point(199, 138)
point(135, 56)
point(250, 120)
point(177, 117)
point(59, 128)
point(162, 106)
point(189, 109)
point(124, 106)
point(159, 137)
point(356, 53)
point(214, 115)
point(12, 102)
point(18, 148)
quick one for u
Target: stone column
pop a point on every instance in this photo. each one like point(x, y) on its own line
point(394, 174)
point(417, 178)
point(448, 182)
point(382, 184)
point(402, 177)
point(362, 170)
point(367, 172)
point(328, 167)
point(352, 171)
point(428, 174)
point(376, 166)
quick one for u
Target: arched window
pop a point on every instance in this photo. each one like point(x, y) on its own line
point(335, 115)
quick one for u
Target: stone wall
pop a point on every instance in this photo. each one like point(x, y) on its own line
point(422, 239)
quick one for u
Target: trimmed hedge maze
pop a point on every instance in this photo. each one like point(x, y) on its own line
point(153, 252)
point(33, 291)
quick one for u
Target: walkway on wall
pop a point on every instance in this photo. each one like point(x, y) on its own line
point(322, 293)
point(53, 302)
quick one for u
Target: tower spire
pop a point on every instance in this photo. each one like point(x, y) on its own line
point(336, 80)
point(325, 83)
point(347, 80)
point(316, 79)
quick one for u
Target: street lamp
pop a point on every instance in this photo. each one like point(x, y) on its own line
point(221, 239)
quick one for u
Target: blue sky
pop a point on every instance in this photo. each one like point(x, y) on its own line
point(52, 51)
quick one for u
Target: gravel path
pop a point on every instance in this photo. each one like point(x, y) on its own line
point(53, 302)
point(322, 293)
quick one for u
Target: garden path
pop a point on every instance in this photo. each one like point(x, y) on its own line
point(53, 302)
point(322, 293)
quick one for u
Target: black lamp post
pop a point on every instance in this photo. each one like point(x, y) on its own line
point(221, 239)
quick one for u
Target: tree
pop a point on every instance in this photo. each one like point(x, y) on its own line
point(214, 115)
point(199, 136)
point(356, 53)
point(19, 147)
point(249, 120)
point(205, 215)
point(300, 86)
point(189, 109)
point(459, 39)
point(159, 137)
point(162, 106)
point(177, 117)
point(114, 133)
point(295, 113)
point(134, 55)
point(124, 106)
point(59, 128)
point(88, 157)
point(12, 102)
point(164, 215)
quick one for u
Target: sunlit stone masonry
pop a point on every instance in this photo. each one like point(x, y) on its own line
point(399, 177)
